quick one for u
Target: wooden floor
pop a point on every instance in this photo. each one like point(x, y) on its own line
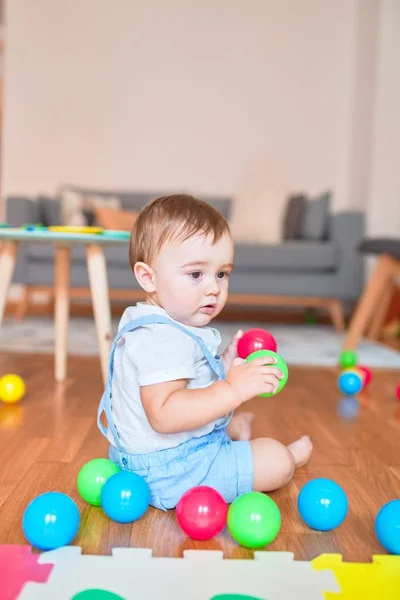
point(46, 438)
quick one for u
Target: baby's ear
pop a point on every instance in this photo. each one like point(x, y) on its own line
point(145, 277)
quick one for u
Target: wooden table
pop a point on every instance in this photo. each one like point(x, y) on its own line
point(10, 239)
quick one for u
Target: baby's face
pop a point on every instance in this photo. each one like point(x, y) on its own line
point(191, 278)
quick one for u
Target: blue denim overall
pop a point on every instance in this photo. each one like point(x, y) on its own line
point(212, 459)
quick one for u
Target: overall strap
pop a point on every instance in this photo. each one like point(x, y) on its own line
point(105, 402)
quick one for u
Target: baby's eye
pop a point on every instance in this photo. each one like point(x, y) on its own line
point(195, 274)
point(222, 274)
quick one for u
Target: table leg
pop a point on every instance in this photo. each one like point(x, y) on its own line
point(380, 278)
point(97, 269)
point(61, 310)
point(8, 258)
point(336, 314)
point(378, 318)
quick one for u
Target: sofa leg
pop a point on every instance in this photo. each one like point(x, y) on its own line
point(336, 313)
point(21, 309)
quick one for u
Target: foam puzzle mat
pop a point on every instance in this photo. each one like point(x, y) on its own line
point(131, 573)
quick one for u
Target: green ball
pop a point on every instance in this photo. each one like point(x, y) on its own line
point(93, 476)
point(279, 364)
point(254, 520)
point(347, 359)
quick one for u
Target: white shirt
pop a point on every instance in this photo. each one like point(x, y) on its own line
point(154, 354)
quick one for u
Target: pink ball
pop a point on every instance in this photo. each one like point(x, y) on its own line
point(255, 339)
point(202, 512)
point(398, 392)
point(367, 374)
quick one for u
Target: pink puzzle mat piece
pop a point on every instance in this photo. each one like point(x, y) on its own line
point(18, 566)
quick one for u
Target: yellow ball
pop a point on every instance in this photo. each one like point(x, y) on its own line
point(12, 388)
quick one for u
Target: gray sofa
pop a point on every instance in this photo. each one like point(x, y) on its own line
point(329, 267)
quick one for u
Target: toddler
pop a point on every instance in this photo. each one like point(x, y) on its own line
point(170, 397)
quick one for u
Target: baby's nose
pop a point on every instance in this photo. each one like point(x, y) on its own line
point(213, 288)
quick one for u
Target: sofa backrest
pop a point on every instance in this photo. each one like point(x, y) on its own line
point(136, 200)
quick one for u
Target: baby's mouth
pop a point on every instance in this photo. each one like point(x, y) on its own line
point(208, 308)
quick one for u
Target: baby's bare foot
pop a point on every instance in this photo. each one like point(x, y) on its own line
point(240, 426)
point(301, 450)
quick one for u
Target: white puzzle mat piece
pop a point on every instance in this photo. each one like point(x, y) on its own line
point(134, 574)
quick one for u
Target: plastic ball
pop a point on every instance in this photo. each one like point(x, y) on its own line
point(255, 339)
point(347, 359)
point(50, 521)
point(93, 476)
point(367, 374)
point(12, 388)
point(387, 526)
point(96, 594)
point(279, 364)
point(350, 383)
point(254, 520)
point(359, 373)
point(310, 318)
point(322, 504)
point(398, 392)
point(201, 512)
point(125, 497)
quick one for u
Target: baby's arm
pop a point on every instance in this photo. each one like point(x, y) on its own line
point(172, 408)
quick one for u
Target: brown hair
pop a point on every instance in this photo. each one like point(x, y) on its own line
point(175, 217)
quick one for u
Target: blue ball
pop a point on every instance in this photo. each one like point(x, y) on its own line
point(125, 497)
point(387, 526)
point(322, 504)
point(350, 383)
point(50, 521)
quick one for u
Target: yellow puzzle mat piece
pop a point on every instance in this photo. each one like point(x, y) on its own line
point(379, 580)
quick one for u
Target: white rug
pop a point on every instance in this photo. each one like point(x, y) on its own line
point(298, 344)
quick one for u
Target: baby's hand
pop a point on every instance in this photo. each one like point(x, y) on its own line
point(253, 378)
point(231, 352)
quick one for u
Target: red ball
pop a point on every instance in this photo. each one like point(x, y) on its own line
point(202, 512)
point(367, 374)
point(256, 339)
point(398, 392)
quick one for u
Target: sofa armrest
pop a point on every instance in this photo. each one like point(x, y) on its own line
point(346, 230)
point(20, 210)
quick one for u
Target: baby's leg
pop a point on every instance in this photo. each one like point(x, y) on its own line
point(274, 464)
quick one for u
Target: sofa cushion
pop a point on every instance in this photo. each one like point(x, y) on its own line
point(137, 200)
point(288, 256)
point(49, 211)
point(316, 218)
point(78, 209)
point(293, 217)
point(119, 220)
point(44, 253)
point(292, 256)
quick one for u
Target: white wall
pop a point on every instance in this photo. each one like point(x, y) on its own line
point(211, 96)
point(384, 200)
